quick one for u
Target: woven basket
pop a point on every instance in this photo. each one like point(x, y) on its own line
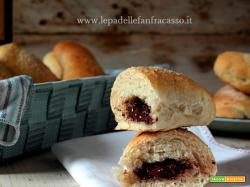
point(63, 110)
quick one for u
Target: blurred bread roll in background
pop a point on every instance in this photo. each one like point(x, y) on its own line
point(233, 68)
point(69, 60)
point(4, 72)
point(19, 62)
point(55, 67)
point(231, 103)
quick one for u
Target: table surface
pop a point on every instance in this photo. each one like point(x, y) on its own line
point(36, 170)
point(44, 170)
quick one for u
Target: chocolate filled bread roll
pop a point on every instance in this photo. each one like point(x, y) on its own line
point(172, 158)
point(152, 99)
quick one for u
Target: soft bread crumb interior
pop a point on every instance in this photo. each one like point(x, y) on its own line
point(159, 147)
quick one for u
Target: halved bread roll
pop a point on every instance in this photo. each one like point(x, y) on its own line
point(174, 158)
point(152, 99)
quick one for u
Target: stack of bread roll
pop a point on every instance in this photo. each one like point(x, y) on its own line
point(157, 102)
point(233, 99)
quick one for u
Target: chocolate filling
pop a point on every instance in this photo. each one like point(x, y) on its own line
point(138, 110)
point(168, 169)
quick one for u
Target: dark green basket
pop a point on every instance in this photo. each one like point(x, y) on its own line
point(63, 110)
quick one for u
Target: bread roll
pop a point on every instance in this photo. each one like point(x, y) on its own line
point(174, 158)
point(152, 99)
point(76, 61)
point(55, 67)
point(231, 103)
point(234, 68)
point(19, 62)
point(4, 72)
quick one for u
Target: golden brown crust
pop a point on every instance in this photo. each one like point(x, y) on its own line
point(4, 72)
point(19, 62)
point(231, 103)
point(55, 67)
point(234, 68)
point(161, 78)
point(180, 132)
point(147, 135)
point(175, 144)
point(76, 61)
point(174, 99)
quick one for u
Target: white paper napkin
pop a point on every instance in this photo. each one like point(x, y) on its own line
point(90, 159)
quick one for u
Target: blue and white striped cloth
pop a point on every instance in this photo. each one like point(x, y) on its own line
point(13, 97)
